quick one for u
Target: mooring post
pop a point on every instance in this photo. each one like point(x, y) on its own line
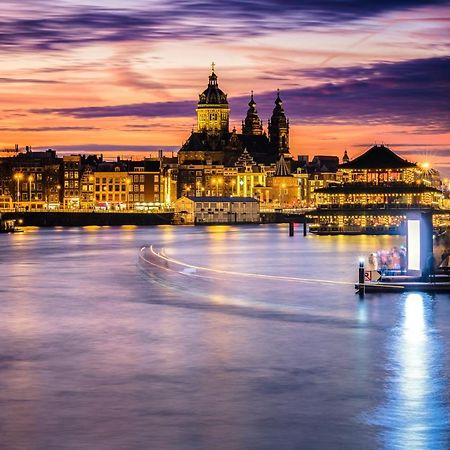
point(304, 229)
point(291, 228)
point(361, 278)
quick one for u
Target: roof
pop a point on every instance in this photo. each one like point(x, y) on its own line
point(377, 157)
point(212, 95)
point(282, 169)
point(258, 146)
point(222, 199)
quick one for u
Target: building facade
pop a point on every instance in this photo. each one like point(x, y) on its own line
point(377, 190)
point(215, 210)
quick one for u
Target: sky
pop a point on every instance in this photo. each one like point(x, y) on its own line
point(123, 76)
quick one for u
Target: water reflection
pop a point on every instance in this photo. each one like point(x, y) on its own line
point(415, 415)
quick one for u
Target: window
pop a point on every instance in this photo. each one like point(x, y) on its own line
point(136, 178)
point(141, 178)
point(141, 188)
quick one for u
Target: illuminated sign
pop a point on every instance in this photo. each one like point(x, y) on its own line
point(413, 244)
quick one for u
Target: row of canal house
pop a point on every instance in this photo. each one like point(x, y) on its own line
point(375, 192)
point(40, 180)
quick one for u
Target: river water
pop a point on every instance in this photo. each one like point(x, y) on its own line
point(213, 338)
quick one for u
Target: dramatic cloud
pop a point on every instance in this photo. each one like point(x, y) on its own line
point(110, 148)
point(158, 109)
point(415, 92)
point(45, 129)
point(27, 81)
point(32, 27)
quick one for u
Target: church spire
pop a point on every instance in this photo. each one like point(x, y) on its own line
point(279, 128)
point(252, 123)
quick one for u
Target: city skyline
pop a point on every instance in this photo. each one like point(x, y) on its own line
point(83, 77)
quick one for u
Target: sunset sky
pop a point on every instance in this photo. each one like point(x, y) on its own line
point(119, 76)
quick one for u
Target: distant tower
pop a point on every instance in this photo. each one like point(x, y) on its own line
point(279, 128)
point(345, 158)
point(212, 110)
point(252, 123)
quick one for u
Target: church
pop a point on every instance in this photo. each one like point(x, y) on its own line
point(220, 162)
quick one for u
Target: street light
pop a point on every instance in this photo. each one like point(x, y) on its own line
point(127, 185)
point(30, 180)
point(18, 177)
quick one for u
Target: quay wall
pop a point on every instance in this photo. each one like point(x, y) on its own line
point(80, 219)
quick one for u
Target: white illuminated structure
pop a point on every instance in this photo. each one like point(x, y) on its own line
point(414, 260)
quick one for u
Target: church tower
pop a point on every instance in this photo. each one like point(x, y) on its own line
point(279, 128)
point(252, 123)
point(212, 109)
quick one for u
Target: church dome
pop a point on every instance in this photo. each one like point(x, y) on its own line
point(212, 95)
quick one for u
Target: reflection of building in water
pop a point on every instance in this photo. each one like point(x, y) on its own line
point(376, 191)
point(415, 415)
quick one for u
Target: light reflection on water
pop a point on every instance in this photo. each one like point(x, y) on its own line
point(415, 414)
point(98, 351)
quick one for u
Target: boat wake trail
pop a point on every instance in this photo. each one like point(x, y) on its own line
point(274, 296)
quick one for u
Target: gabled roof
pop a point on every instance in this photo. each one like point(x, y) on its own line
point(377, 157)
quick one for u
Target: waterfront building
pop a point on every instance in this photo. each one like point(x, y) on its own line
point(72, 176)
point(87, 188)
point(318, 173)
point(377, 190)
point(31, 180)
point(211, 159)
point(146, 190)
point(111, 186)
point(216, 209)
point(282, 189)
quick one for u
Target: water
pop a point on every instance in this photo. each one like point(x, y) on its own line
point(213, 338)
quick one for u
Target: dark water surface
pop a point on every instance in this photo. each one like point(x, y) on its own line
point(215, 338)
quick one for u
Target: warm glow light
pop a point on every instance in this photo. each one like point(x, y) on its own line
point(413, 244)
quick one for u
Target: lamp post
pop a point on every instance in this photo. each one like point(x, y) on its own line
point(18, 177)
point(233, 183)
point(219, 181)
point(214, 181)
point(30, 180)
point(127, 184)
